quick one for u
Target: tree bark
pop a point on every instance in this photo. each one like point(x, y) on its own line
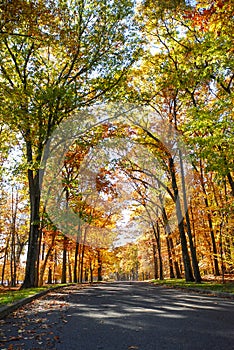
point(78, 238)
point(99, 258)
point(157, 233)
point(5, 260)
point(168, 239)
point(231, 182)
point(82, 263)
point(196, 270)
point(155, 261)
point(31, 269)
point(69, 268)
point(64, 265)
point(210, 223)
point(91, 271)
point(48, 254)
point(170, 260)
point(49, 280)
point(82, 256)
point(180, 220)
point(75, 272)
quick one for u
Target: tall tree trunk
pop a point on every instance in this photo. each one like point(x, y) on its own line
point(82, 263)
point(49, 280)
point(45, 260)
point(13, 256)
point(14, 210)
point(82, 256)
point(168, 238)
point(229, 175)
point(180, 220)
point(91, 270)
point(159, 251)
point(75, 272)
point(155, 261)
point(156, 230)
point(231, 182)
point(31, 269)
point(176, 198)
point(99, 258)
point(64, 264)
point(78, 239)
point(5, 260)
point(196, 270)
point(170, 260)
point(174, 258)
point(86, 274)
point(55, 266)
point(69, 268)
point(210, 223)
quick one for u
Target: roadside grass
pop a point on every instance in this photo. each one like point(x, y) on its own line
point(8, 296)
point(213, 286)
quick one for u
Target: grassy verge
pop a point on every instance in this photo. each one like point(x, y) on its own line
point(227, 287)
point(8, 297)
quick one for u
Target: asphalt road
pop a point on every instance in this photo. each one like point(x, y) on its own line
point(121, 316)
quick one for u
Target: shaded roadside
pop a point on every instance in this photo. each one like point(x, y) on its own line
point(121, 316)
point(35, 325)
point(204, 291)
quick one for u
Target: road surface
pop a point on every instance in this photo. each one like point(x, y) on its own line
point(121, 316)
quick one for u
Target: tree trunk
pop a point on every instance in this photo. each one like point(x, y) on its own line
point(75, 272)
point(177, 269)
point(196, 270)
point(13, 258)
point(159, 251)
point(49, 281)
point(168, 239)
point(55, 266)
point(69, 268)
point(155, 261)
point(209, 218)
point(86, 274)
point(99, 258)
point(82, 263)
point(174, 258)
point(231, 182)
point(5, 260)
point(91, 271)
point(31, 270)
point(180, 220)
point(78, 239)
point(14, 210)
point(170, 261)
point(43, 267)
point(64, 265)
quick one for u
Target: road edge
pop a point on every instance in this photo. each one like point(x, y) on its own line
point(207, 292)
point(8, 309)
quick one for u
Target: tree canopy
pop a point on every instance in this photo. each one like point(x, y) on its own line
point(123, 111)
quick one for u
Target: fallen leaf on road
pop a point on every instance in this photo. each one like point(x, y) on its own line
point(15, 338)
point(21, 330)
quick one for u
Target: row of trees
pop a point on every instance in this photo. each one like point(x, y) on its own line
point(160, 167)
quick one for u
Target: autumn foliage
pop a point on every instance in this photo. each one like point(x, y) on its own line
point(147, 205)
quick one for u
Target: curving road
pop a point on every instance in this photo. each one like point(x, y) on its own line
point(121, 316)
